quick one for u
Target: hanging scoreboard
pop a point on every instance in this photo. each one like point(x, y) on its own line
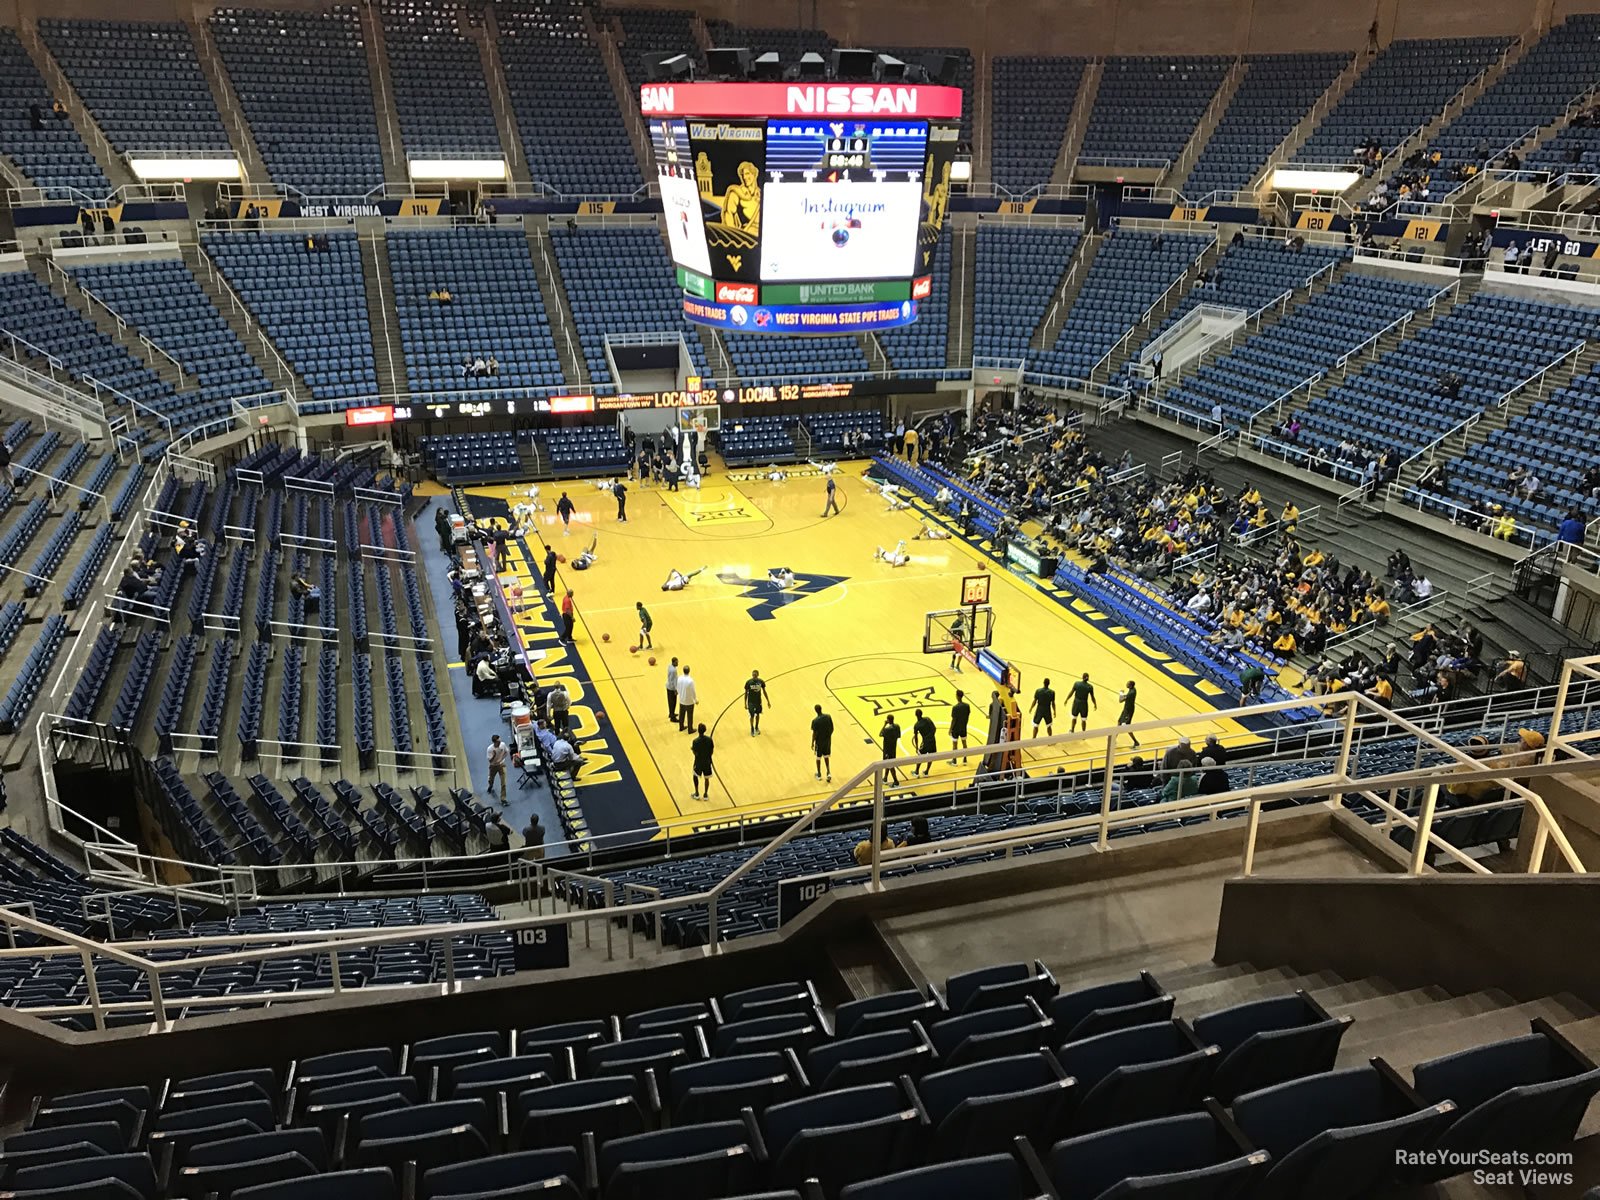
point(803, 208)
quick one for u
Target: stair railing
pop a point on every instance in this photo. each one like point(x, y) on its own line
point(1539, 378)
point(237, 305)
point(384, 290)
point(1161, 300)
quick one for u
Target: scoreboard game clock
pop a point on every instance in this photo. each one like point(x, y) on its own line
point(803, 208)
point(974, 590)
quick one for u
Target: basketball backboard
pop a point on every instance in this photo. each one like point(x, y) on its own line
point(972, 627)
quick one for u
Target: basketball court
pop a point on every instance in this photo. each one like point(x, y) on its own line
point(848, 634)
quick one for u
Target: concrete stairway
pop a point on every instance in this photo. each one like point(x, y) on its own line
point(388, 350)
point(243, 323)
point(702, 34)
point(1072, 277)
point(1136, 337)
point(240, 136)
point(390, 141)
point(1476, 583)
point(982, 117)
point(11, 175)
point(1268, 319)
point(1307, 124)
point(604, 38)
point(573, 366)
point(531, 456)
point(124, 334)
point(1453, 108)
point(717, 356)
point(1082, 108)
point(1198, 140)
point(1359, 362)
point(1487, 191)
point(110, 162)
point(1497, 419)
point(1404, 1027)
point(877, 359)
point(963, 280)
point(487, 36)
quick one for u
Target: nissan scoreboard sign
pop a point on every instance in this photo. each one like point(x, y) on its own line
point(803, 208)
point(799, 100)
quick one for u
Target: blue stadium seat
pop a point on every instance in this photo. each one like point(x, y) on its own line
point(1336, 1136)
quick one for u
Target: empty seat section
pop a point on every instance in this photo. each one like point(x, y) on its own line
point(142, 82)
point(303, 83)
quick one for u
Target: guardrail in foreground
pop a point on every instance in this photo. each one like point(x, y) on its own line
point(1346, 710)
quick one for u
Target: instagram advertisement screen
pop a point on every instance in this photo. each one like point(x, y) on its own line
point(842, 199)
point(839, 231)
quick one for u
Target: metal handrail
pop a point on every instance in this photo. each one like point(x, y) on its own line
point(236, 304)
point(1415, 606)
point(1183, 277)
point(70, 282)
point(1312, 120)
point(1334, 785)
point(1413, 497)
point(150, 866)
point(1443, 116)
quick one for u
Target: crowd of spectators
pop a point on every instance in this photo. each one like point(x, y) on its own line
point(1351, 460)
point(1291, 603)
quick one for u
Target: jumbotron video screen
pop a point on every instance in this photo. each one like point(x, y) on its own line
point(803, 208)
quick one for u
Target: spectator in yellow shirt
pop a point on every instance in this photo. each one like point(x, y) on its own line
point(1505, 525)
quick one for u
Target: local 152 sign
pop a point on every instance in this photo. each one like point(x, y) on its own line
point(799, 99)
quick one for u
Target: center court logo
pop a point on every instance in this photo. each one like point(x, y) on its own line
point(902, 699)
point(769, 600)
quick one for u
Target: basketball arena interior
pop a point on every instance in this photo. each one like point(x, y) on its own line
point(543, 544)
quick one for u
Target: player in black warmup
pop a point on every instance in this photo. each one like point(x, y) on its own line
point(822, 741)
point(1129, 698)
point(922, 736)
point(702, 748)
point(890, 733)
point(960, 711)
point(1082, 698)
point(755, 694)
point(1044, 709)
